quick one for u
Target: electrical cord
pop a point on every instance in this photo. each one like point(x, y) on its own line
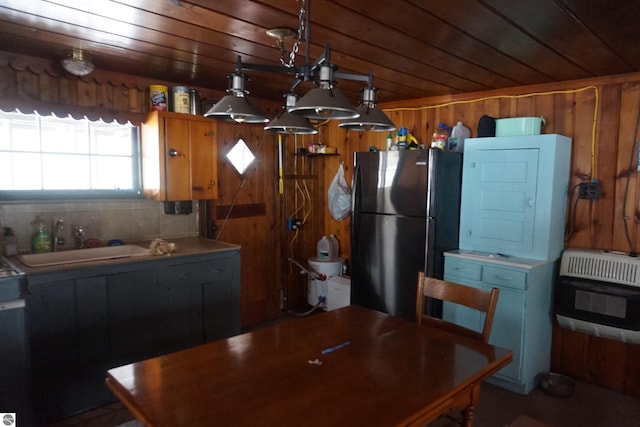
point(625, 218)
point(319, 305)
point(571, 214)
point(527, 95)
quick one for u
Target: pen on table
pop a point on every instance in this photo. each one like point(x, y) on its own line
point(334, 348)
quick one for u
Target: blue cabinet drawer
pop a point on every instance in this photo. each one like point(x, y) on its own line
point(504, 277)
point(200, 272)
point(463, 269)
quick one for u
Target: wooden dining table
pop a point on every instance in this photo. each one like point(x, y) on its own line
point(348, 367)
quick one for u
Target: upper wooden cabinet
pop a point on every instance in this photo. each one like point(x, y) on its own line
point(179, 157)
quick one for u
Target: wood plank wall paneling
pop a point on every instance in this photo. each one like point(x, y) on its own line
point(599, 152)
point(258, 232)
point(266, 243)
point(600, 115)
point(240, 211)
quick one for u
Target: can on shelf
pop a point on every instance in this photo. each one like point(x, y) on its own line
point(180, 97)
point(159, 96)
point(195, 106)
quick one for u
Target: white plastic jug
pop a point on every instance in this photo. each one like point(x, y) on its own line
point(324, 249)
point(458, 134)
point(335, 246)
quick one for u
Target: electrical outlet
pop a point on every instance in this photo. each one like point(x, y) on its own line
point(589, 190)
point(293, 224)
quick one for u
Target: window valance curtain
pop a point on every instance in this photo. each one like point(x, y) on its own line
point(75, 111)
point(30, 84)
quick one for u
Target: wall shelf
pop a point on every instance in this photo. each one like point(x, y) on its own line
point(317, 154)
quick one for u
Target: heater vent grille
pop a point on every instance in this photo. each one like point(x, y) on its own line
point(599, 265)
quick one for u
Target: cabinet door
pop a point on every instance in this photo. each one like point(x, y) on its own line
point(513, 188)
point(221, 299)
point(508, 329)
point(137, 306)
point(14, 366)
point(509, 319)
point(178, 159)
point(508, 325)
point(204, 160)
point(93, 339)
point(184, 307)
point(499, 200)
point(51, 320)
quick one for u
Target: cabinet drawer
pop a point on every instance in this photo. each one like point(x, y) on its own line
point(504, 277)
point(200, 272)
point(463, 269)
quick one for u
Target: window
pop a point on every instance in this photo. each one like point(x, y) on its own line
point(240, 156)
point(49, 157)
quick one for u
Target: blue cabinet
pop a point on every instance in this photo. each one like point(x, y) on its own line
point(51, 321)
point(512, 213)
point(523, 318)
point(137, 302)
point(514, 192)
point(14, 353)
point(84, 321)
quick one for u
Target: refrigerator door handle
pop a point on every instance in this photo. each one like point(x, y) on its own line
point(430, 248)
point(431, 179)
point(355, 185)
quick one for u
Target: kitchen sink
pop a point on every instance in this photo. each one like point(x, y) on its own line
point(82, 255)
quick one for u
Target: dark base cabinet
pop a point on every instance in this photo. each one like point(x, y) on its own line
point(85, 321)
point(14, 374)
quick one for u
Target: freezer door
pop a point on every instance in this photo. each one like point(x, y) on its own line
point(388, 251)
point(391, 182)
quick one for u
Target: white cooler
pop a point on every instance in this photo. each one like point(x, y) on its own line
point(338, 292)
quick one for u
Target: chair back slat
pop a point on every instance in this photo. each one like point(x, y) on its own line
point(479, 299)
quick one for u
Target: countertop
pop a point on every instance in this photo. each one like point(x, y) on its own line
point(496, 258)
point(184, 246)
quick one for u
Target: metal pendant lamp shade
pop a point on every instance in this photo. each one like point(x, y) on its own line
point(325, 101)
point(235, 107)
point(286, 122)
point(371, 117)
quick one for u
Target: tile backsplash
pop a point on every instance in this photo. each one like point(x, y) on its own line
point(127, 220)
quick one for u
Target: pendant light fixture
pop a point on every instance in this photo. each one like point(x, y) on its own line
point(79, 63)
point(235, 107)
point(323, 102)
point(371, 118)
point(285, 122)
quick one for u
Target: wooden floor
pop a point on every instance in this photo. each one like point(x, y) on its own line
point(590, 406)
point(107, 416)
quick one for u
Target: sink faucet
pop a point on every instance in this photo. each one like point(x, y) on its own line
point(57, 240)
point(79, 235)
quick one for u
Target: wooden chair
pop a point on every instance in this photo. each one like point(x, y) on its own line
point(484, 301)
point(479, 299)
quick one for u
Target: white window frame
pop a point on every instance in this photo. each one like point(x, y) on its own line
point(8, 148)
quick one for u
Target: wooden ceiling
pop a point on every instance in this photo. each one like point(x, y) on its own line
point(413, 48)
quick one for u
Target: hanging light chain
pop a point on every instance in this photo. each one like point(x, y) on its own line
point(296, 44)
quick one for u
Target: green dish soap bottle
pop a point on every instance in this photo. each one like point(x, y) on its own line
point(42, 239)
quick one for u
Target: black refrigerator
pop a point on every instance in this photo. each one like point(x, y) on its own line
point(405, 215)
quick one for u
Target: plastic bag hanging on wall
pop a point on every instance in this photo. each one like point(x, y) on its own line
point(339, 196)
